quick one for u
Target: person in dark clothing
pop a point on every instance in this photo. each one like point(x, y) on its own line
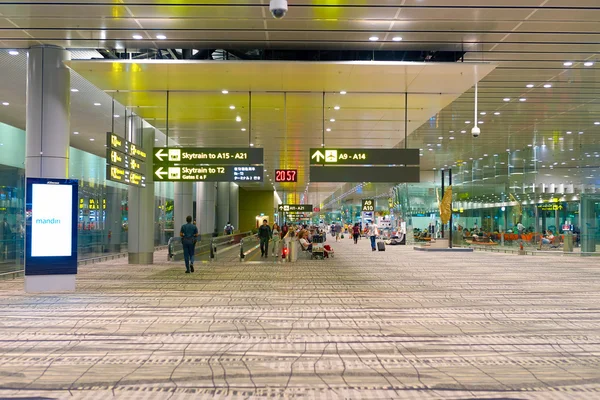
point(189, 235)
point(264, 234)
point(355, 233)
point(284, 230)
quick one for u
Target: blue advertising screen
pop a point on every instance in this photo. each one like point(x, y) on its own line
point(51, 226)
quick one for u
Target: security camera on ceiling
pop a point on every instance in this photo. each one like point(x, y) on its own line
point(278, 8)
point(476, 131)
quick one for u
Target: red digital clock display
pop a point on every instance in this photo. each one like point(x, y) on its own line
point(286, 175)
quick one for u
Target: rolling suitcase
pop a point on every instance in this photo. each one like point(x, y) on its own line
point(381, 246)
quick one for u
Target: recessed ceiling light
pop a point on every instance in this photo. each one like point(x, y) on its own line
point(548, 85)
point(251, 144)
point(522, 99)
point(5, 103)
point(137, 37)
point(529, 145)
point(238, 118)
point(336, 107)
point(587, 64)
point(332, 120)
point(75, 133)
point(507, 99)
point(343, 92)
point(439, 145)
point(374, 38)
point(232, 107)
point(483, 113)
point(597, 123)
point(97, 104)
point(581, 133)
point(13, 52)
point(161, 37)
point(74, 90)
point(116, 115)
point(496, 113)
point(243, 129)
point(467, 122)
point(480, 122)
point(224, 91)
point(463, 131)
point(530, 85)
point(569, 132)
point(92, 139)
point(397, 38)
point(328, 129)
point(568, 64)
point(451, 138)
point(441, 138)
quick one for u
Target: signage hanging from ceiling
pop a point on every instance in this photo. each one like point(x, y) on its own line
point(51, 226)
point(295, 208)
point(551, 206)
point(324, 156)
point(125, 162)
point(286, 175)
point(368, 205)
point(208, 156)
point(365, 174)
point(226, 173)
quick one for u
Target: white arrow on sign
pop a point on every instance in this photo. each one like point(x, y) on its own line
point(318, 155)
point(159, 154)
point(159, 172)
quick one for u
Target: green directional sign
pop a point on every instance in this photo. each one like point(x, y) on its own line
point(320, 156)
point(207, 156)
point(198, 173)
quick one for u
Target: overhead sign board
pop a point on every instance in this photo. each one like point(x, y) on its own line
point(124, 146)
point(368, 205)
point(365, 174)
point(320, 156)
point(193, 173)
point(208, 156)
point(125, 162)
point(551, 206)
point(115, 157)
point(123, 175)
point(295, 208)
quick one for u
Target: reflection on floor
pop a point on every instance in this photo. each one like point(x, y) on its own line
point(393, 324)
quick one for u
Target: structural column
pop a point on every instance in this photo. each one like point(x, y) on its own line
point(140, 203)
point(47, 136)
point(234, 204)
point(222, 205)
point(206, 202)
point(183, 204)
point(113, 225)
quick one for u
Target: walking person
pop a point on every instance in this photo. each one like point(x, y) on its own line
point(189, 235)
point(373, 232)
point(276, 233)
point(355, 233)
point(228, 229)
point(338, 229)
point(264, 234)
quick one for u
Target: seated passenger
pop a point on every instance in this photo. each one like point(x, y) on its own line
point(306, 245)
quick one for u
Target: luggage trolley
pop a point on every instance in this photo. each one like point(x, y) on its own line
point(318, 250)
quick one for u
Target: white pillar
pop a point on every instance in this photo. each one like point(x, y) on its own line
point(141, 207)
point(234, 205)
point(222, 205)
point(206, 196)
point(47, 135)
point(183, 204)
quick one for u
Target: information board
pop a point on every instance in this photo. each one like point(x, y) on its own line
point(125, 162)
point(330, 156)
point(51, 226)
point(368, 205)
point(225, 173)
point(125, 176)
point(208, 156)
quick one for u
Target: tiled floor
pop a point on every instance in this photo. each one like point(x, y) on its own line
point(397, 324)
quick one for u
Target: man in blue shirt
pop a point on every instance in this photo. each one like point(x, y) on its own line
point(189, 235)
